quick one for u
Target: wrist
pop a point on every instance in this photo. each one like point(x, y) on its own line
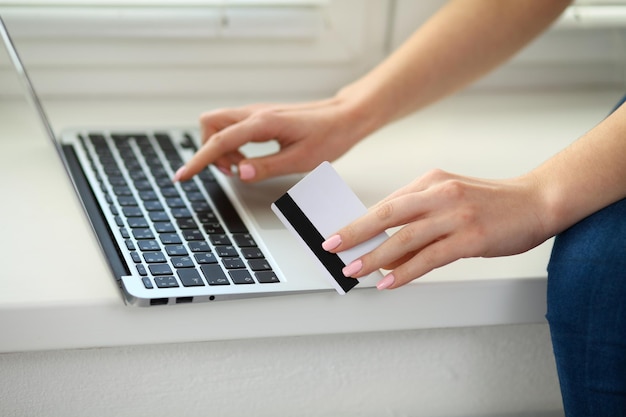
point(363, 113)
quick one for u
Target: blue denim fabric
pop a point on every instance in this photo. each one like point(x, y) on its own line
point(587, 313)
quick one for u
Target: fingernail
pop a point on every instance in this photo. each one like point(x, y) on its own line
point(246, 171)
point(331, 243)
point(225, 171)
point(352, 268)
point(386, 282)
point(178, 175)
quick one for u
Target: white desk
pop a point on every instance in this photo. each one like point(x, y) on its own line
point(427, 349)
point(56, 291)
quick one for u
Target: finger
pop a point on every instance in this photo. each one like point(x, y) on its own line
point(411, 239)
point(399, 261)
point(426, 181)
point(228, 140)
point(214, 121)
point(229, 160)
point(288, 160)
point(394, 212)
point(437, 254)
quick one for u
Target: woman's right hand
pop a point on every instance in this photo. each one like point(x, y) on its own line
point(307, 134)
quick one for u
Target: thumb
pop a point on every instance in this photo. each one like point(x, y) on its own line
point(274, 165)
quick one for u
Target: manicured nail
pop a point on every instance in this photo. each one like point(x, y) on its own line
point(246, 172)
point(386, 282)
point(181, 171)
point(331, 243)
point(225, 171)
point(352, 268)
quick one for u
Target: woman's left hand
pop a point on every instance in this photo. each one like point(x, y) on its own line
point(443, 218)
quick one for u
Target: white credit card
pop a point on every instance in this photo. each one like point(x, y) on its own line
point(316, 208)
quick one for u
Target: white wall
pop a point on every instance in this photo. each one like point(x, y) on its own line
point(190, 51)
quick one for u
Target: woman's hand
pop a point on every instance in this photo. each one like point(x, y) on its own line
point(443, 218)
point(307, 134)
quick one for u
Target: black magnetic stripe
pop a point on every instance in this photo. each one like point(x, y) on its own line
point(314, 240)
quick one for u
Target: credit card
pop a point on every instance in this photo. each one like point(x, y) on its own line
point(317, 207)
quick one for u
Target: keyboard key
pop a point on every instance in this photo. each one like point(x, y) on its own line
point(160, 269)
point(176, 250)
point(122, 191)
point(192, 234)
point(170, 239)
point(241, 276)
point(164, 227)
point(190, 187)
point(190, 278)
point(175, 203)
point(199, 246)
point(266, 277)
point(182, 262)
point(195, 196)
point(159, 216)
point(252, 253)
point(213, 228)
point(143, 233)
point(187, 223)
point(170, 192)
point(233, 263)
point(154, 257)
point(147, 283)
point(148, 195)
point(143, 185)
point(214, 274)
point(244, 240)
point(137, 222)
point(132, 212)
point(200, 206)
point(153, 205)
point(148, 245)
point(181, 213)
point(226, 251)
point(205, 258)
point(142, 270)
point(166, 282)
point(207, 216)
point(220, 239)
point(259, 265)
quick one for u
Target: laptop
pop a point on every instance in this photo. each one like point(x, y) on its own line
point(209, 239)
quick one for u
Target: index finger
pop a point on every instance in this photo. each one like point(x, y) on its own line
point(226, 141)
point(387, 214)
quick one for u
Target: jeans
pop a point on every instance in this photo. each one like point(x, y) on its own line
point(587, 313)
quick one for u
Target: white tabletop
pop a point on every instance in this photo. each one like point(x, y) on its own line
point(57, 292)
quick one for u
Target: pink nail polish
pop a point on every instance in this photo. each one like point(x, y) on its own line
point(246, 172)
point(352, 268)
point(331, 243)
point(181, 171)
point(386, 282)
point(225, 171)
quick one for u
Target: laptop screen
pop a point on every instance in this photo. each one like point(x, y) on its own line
point(27, 85)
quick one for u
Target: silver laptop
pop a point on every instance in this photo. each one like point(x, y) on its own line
point(211, 238)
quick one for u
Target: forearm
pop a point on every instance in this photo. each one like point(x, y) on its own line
point(460, 43)
point(585, 177)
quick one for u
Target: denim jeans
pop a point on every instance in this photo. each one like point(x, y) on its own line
point(587, 313)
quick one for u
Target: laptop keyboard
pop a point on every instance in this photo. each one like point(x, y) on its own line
point(175, 235)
